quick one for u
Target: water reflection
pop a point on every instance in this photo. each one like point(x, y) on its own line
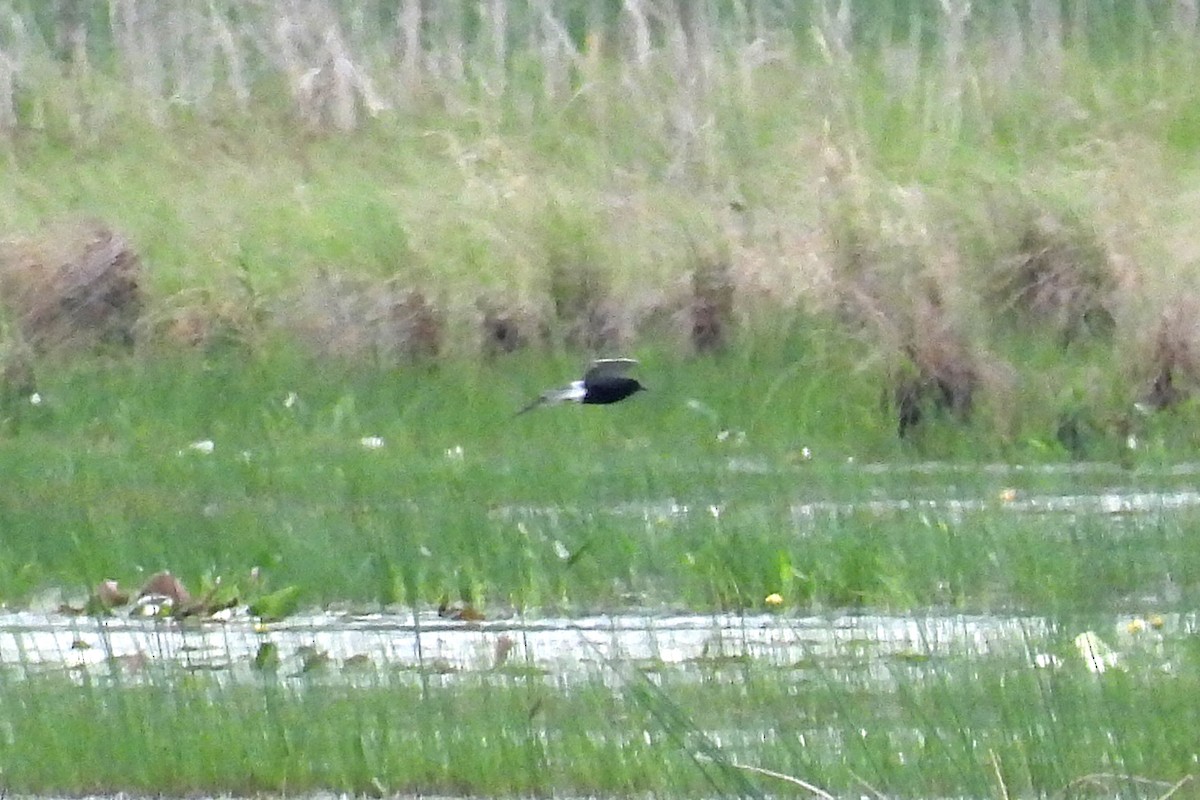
point(1111, 502)
point(562, 645)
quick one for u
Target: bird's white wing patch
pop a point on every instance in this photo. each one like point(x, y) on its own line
point(574, 392)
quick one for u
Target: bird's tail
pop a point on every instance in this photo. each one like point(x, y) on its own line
point(535, 404)
point(552, 397)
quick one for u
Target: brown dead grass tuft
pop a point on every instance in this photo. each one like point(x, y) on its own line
point(710, 306)
point(1172, 365)
point(350, 317)
point(933, 366)
point(506, 328)
point(201, 321)
point(937, 371)
point(418, 325)
point(1059, 277)
point(894, 280)
point(584, 308)
point(72, 285)
point(166, 585)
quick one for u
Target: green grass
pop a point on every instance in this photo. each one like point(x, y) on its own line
point(905, 726)
point(576, 507)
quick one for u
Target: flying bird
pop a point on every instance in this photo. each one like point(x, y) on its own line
point(604, 382)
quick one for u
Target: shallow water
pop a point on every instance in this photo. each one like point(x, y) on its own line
point(1113, 501)
point(44, 639)
point(559, 644)
point(871, 653)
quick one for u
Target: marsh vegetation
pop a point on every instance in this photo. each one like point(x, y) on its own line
point(911, 284)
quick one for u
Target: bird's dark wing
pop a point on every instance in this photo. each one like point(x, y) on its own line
point(608, 368)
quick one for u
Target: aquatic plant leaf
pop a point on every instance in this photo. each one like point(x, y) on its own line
point(276, 605)
point(267, 657)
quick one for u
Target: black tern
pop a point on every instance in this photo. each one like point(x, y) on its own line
point(604, 382)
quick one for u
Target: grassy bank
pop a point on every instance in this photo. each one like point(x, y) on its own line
point(990, 208)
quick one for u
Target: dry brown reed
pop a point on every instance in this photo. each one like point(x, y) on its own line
point(937, 372)
point(329, 82)
point(342, 65)
point(507, 327)
point(895, 280)
point(1171, 371)
point(710, 306)
point(202, 320)
point(1059, 277)
point(340, 316)
point(72, 285)
point(585, 311)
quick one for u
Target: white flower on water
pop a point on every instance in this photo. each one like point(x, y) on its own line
point(371, 442)
point(1046, 661)
point(291, 400)
point(700, 408)
point(805, 454)
point(35, 399)
point(455, 453)
point(204, 446)
point(736, 437)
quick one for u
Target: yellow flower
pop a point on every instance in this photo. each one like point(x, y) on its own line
point(1008, 495)
point(1136, 625)
point(1156, 621)
point(774, 600)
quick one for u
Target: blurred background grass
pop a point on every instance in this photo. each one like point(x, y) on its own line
point(988, 206)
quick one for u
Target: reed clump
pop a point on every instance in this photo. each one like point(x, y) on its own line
point(1171, 370)
point(72, 285)
point(506, 327)
point(1058, 277)
point(343, 316)
point(896, 280)
point(710, 305)
point(203, 321)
